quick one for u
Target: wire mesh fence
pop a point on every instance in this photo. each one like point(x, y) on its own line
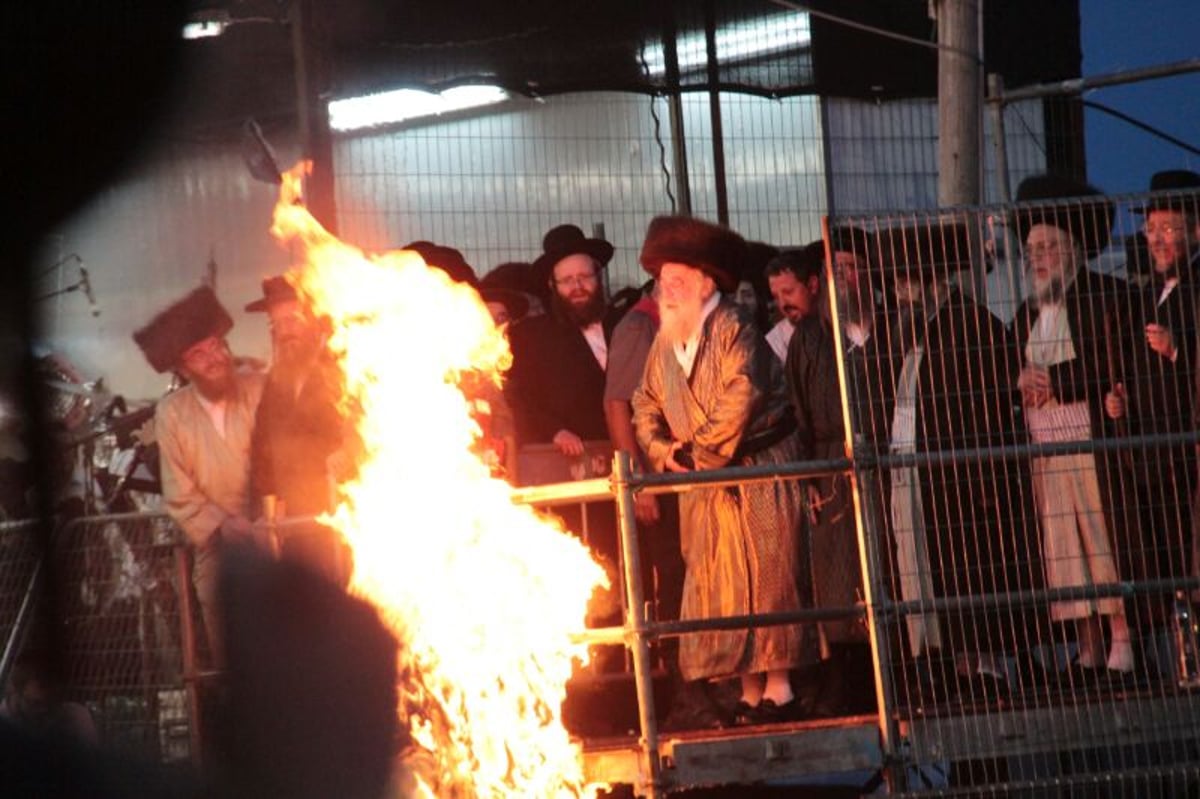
point(1020, 390)
point(118, 625)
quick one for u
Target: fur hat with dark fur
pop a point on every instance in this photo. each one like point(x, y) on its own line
point(717, 251)
point(185, 323)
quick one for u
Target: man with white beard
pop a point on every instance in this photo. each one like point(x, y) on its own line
point(1063, 344)
point(713, 396)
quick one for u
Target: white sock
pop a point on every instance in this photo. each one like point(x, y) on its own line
point(779, 687)
point(752, 689)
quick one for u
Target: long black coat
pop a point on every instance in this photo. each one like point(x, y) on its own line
point(812, 375)
point(555, 382)
point(979, 516)
point(1159, 397)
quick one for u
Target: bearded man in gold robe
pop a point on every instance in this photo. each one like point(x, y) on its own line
point(713, 395)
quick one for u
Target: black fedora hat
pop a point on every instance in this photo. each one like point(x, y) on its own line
point(275, 289)
point(564, 240)
point(934, 248)
point(1186, 187)
point(447, 259)
point(715, 250)
point(1084, 211)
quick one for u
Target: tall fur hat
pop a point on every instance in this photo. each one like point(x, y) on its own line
point(188, 321)
point(1084, 211)
point(717, 251)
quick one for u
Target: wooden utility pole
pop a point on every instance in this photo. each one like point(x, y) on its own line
point(959, 101)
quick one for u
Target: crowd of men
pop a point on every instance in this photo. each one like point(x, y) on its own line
point(684, 377)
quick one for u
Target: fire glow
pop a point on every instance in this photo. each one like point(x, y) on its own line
point(482, 594)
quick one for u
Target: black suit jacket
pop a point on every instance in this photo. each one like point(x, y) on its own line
point(555, 382)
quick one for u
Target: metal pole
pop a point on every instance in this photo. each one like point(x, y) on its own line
point(675, 109)
point(24, 614)
point(999, 142)
point(958, 103)
point(187, 635)
point(714, 112)
point(312, 119)
point(869, 561)
point(1079, 85)
point(635, 624)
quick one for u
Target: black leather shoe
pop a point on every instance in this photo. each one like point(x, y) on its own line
point(745, 715)
point(768, 712)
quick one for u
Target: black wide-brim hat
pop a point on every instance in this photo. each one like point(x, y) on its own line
point(564, 240)
point(183, 324)
point(715, 250)
point(1081, 210)
point(1185, 185)
point(275, 289)
point(447, 259)
point(516, 302)
point(934, 248)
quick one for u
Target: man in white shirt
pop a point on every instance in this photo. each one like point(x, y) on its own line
point(1156, 393)
point(794, 277)
point(203, 432)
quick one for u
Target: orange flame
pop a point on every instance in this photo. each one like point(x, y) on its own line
point(482, 594)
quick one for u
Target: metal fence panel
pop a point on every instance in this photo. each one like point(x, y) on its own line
point(1027, 475)
point(119, 611)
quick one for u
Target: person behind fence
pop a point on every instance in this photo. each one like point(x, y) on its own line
point(203, 432)
point(1155, 394)
point(34, 703)
point(713, 396)
point(556, 384)
point(956, 527)
point(794, 277)
point(296, 450)
point(812, 376)
point(1067, 367)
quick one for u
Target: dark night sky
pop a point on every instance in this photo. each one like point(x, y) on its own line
point(1128, 34)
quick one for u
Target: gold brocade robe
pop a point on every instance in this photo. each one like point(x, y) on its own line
point(742, 546)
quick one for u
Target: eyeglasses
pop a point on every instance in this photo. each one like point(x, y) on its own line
point(576, 280)
point(1165, 228)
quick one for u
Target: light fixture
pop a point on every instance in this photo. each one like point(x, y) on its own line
point(764, 36)
point(400, 105)
point(206, 24)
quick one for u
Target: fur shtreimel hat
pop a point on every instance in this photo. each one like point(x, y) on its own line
point(1083, 212)
point(185, 323)
point(717, 251)
point(934, 248)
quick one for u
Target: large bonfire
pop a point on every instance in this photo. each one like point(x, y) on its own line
point(482, 594)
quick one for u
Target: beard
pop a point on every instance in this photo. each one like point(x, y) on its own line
point(214, 386)
point(1050, 291)
point(679, 323)
point(855, 308)
point(579, 314)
